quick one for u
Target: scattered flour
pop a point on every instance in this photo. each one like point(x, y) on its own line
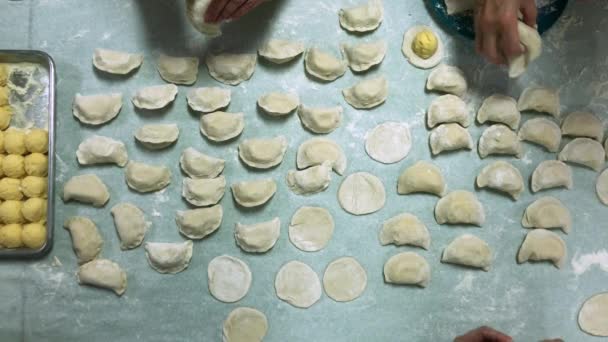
point(466, 282)
point(582, 263)
point(161, 196)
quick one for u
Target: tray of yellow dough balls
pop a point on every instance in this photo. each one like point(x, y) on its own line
point(27, 112)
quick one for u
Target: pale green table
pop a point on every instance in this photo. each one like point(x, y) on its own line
point(41, 301)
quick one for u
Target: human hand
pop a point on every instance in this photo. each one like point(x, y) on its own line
point(220, 10)
point(483, 334)
point(496, 35)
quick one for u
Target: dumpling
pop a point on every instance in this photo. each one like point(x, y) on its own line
point(116, 62)
point(178, 70)
point(167, 257)
point(499, 139)
point(447, 79)
point(601, 187)
point(388, 142)
point(203, 192)
point(86, 240)
point(231, 68)
point(362, 18)
point(361, 193)
point(501, 109)
point(147, 178)
point(501, 176)
point(309, 181)
point(405, 229)
point(421, 177)
point(539, 99)
point(459, 6)
point(449, 137)
point(368, 93)
point(96, 109)
point(543, 132)
point(157, 136)
point(88, 189)
point(316, 151)
point(195, 11)
point(105, 274)
point(222, 126)
point(459, 207)
point(320, 120)
point(363, 56)
point(208, 99)
point(102, 150)
point(447, 109)
point(547, 213)
point(198, 165)
point(407, 268)
point(583, 124)
point(542, 245)
point(322, 65)
point(262, 153)
point(258, 237)
point(468, 250)
point(254, 193)
point(422, 47)
point(281, 51)
point(130, 223)
point(155, 97)
point(278, 104)
point(529, 39)
point(551, 174)
point(198, 223)
point(584, 151)
point(593, 316)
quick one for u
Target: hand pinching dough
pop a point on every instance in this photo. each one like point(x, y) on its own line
point(389, 142)
point(593, 317)
point(229, 278)
point(298, 284)
point(311, 228)
point(344, 279)
point(245, 325)
point(361, 193)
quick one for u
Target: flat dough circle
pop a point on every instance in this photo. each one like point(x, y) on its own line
point(601, 187)
point(298, 284)
point(361, 193)
point(412, 57)
point(344, 279)
point(389, 142)
point(593, 317)
point(229, 278)
point(311, 228)
point(245, 324)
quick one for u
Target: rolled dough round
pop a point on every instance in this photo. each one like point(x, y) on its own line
point(229, 278)
point(593, 317)
point(389, 142)
point(361, 193)
point(311, 228)
point(344, 279)
point(298, 284)
point(245, 325)
point(601, 187)
point(411, 56)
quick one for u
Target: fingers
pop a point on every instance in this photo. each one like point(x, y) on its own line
point(231, 7)
point(528, 9)
point(488, 25)
point(490, 334)
point(509, 44)
point(246, 8)
point(214, 10)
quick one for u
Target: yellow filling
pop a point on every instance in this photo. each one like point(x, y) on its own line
point(424, 44)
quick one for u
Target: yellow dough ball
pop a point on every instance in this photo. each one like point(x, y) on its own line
point(14, 141)
point(34, 210)
point(33, 186)
point(1, 160)
point(6, 114)
point(3, 75)
point(13, 166)
point(10, 212)
point(33, 235)
point(10, 189)
point(425, 44)
point(36, 164)
point(37, 140)
point(10, 236)
point(4, 93)
point(1, 142)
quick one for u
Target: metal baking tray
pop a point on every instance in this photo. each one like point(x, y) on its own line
point(33, 79)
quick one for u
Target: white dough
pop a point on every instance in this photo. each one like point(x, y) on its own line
point(259, 237)
point(421, 177)
point(459, 6)
point(105, 274)
point(412, 57)
point(407, 268)
point(198, 223)
point(551, 174)
point(178, 70)
point(199, 165)
point(405, 229)
point(543, 132)
point(583, 124)
point(368, 93)
point(593, 317)
point(130, 223)
point(344, 279)
point(281, 51)
point(547, 213)
point(447, 79)
point(278, 104)
point(195, 11)
point(155, 97)
point(222, 126)
point(231, 68)
point(86, 241)
point(361, 193)
point(253, 193)
point(541, 100)
point(501, 176)
point(316, 151)
point(532, 45)
point(542, 245)
point(98, 149)
point(468, 250)
point(321, 120)
point(601, 187)
point(459, 207)
point(363, 56)
point(323, 65)
point(88, 189)
point(229, 278)
point(166, 257)
point(311, 228)
point(263, 153)
point(309, 181)
point(447, 109)
point(389, 142)
point(500, 109)
point(208, 99)
point(362, 18)
point(96, 109)
point(584, 151)
point(298, 284)
point(499, 139)
point(203, 192)
point(245, 324)
point(157, 136)
point(116, 62)
point(449, 137)
point(147, 178)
